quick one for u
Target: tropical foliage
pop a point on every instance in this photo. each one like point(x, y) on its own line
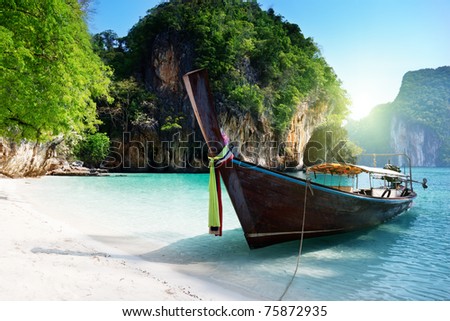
point(424, 98)
point(329, 143)
point(93, 149)
point(257, 61)
point(49, 73)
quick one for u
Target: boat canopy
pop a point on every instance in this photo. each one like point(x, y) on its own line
point(351, 170)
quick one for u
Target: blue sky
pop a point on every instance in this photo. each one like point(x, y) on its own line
point(370, 44)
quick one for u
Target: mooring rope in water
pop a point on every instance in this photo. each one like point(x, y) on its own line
point(301, 239)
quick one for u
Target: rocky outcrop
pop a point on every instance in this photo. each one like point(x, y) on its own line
point(182, 149)
point(185, 150)
point(416, 140)
point(28, 159)
point(256, 141)
point(164, 65)
point(71, 170)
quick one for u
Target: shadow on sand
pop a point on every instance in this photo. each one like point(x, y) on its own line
point(38, 250)
point(232, 246)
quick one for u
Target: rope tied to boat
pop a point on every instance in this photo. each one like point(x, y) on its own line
point(215, 217)
point(300, 247)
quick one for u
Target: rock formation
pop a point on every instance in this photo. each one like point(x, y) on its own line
point(183, 149)
point(28, 159)
point(418, 141)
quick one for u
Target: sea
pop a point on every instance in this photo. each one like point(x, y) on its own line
point(163, 218)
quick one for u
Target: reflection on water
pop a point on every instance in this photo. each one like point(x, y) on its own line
point(331, 268)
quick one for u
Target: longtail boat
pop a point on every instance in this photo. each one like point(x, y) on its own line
point(274, 207)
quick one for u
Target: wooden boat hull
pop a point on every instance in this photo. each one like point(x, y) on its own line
point(271, 205)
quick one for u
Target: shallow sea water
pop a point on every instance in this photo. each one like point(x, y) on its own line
point(163, 218)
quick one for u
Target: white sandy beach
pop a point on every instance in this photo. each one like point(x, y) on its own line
point(45, 259)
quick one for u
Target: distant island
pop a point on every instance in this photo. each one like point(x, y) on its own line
point(415, 123)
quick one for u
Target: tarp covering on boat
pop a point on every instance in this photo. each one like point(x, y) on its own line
point(335, 169)
point(350, 169)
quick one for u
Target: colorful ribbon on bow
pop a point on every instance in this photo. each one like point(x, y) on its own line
point(215, 195)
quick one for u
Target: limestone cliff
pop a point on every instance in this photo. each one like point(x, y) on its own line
point(184, 150)
point(28, 159)
point(259, 144)
point(181, 148)
point(270, 83)
point(418, 141)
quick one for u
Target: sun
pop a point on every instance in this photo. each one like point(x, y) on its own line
point(362, 104)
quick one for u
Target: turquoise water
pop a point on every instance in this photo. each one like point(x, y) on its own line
point(162, 217)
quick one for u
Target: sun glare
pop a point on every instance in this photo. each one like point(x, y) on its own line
point(359, 111)
point(364, 101)
point(361, 108)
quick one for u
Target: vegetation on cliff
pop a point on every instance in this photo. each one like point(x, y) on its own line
point(49, 72)
point(93, 149)
point(330, 143)
point(257, 62)
point(424, 98)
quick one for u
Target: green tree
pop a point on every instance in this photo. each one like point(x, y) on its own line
point(112, 50)
point(329, 143)
point(132, 105)
point(93, 149)
point(49, 73)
